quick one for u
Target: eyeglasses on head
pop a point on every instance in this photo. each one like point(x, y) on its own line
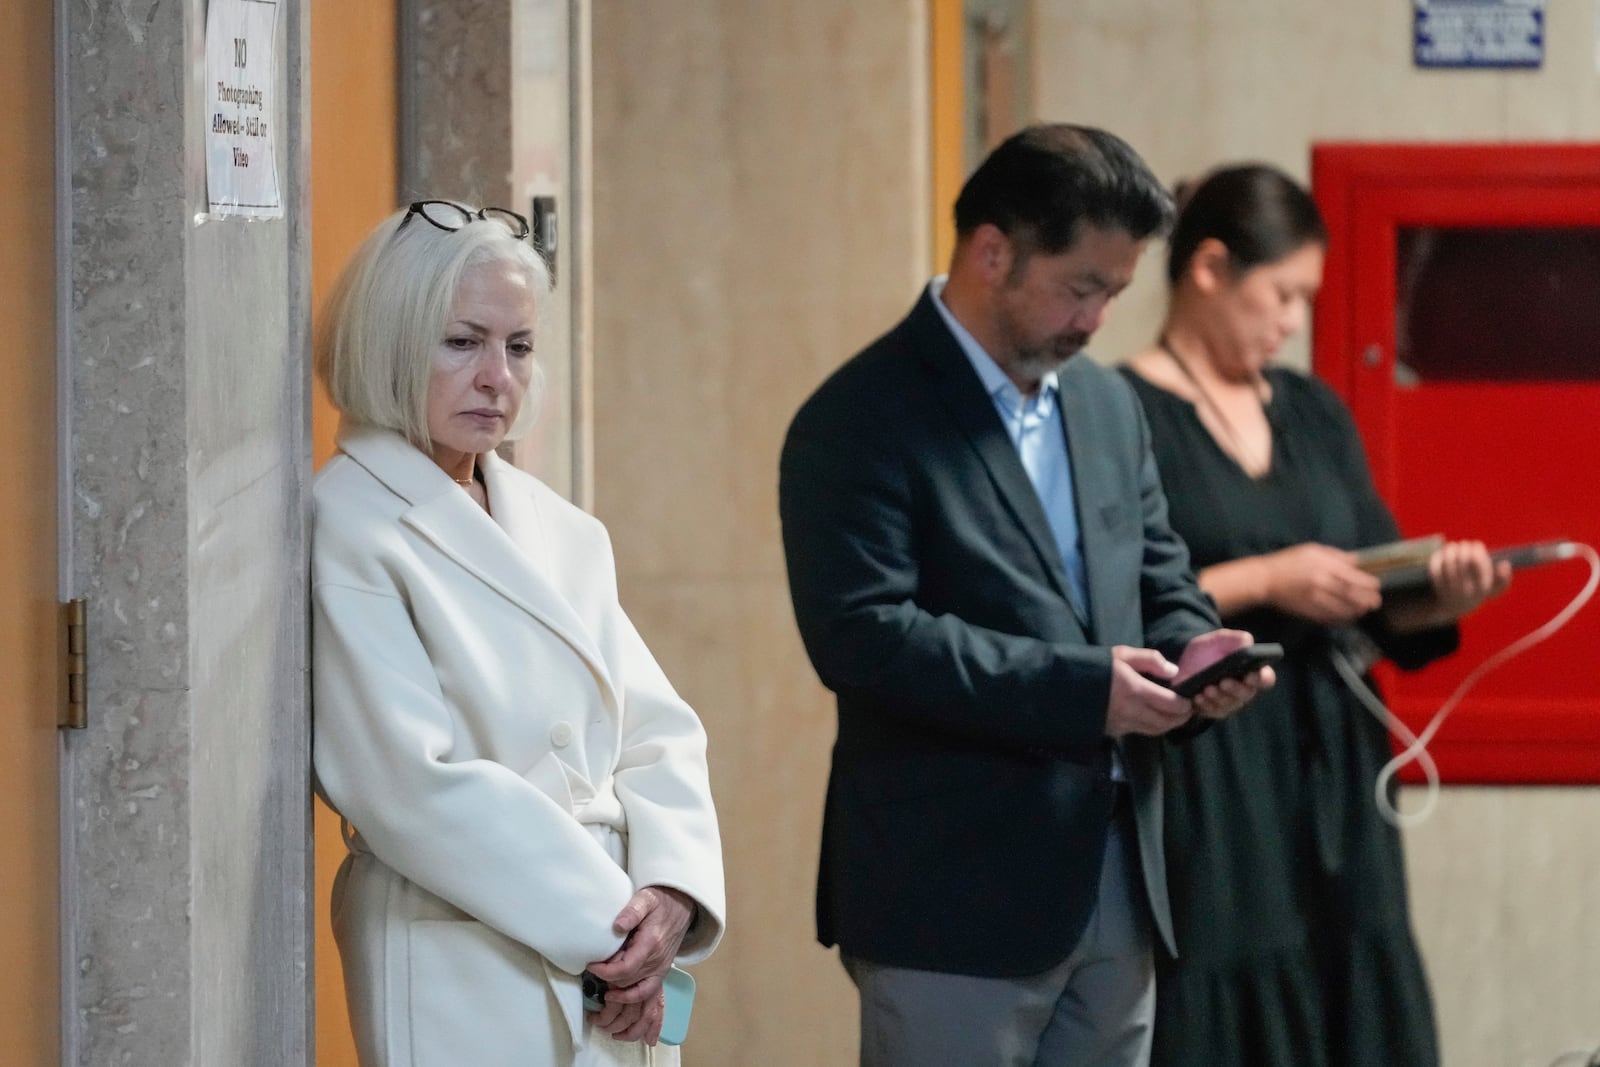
point(449, 215)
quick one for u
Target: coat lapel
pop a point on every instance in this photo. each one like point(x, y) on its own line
point(508, 553)
point(1085, 452)
point(961, 391)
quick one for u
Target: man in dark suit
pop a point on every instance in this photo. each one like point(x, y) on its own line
point(982, 572)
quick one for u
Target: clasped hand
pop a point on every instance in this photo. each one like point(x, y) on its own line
point(1318, 582)
point(1139, 705)
point(1461, 576)
point(1464, 575)
point(654, 923)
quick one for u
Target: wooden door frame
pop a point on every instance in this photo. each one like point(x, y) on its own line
point(947, 113)
point(33, 296)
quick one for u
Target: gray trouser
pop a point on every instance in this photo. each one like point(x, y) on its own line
point(1093, 1009)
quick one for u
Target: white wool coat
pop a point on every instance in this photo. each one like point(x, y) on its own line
point(511, 762)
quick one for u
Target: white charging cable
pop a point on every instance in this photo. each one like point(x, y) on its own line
point(1416, 750)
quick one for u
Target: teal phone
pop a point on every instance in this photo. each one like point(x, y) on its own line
point(677, 987)
point(677, 996)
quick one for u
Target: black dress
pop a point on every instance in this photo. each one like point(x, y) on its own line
point(1288, 888)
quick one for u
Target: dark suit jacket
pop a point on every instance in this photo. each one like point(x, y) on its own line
point(968, 803)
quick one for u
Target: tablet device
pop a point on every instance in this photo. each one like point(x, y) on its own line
point(1414, 577)
point(1377, 559)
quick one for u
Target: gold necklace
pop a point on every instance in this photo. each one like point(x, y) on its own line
point(1235, 445)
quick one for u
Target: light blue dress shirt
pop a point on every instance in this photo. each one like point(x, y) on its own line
point(1035, 428)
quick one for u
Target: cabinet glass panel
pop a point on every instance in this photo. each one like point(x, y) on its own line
point(1497, 304)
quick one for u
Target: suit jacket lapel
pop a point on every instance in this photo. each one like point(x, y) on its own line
point(1086, 454)
point(961, 391)
point(507, 553)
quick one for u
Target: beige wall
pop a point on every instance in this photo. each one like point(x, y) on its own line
point(760, 207)
point(1503, 880)
point(1192, 85)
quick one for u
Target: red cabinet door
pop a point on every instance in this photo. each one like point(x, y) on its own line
point(1460, 319)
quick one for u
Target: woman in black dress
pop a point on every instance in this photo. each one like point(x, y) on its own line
point(1288, 887)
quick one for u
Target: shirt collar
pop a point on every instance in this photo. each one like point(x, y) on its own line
point(995, 382)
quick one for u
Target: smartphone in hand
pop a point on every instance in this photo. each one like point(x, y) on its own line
point(1235, 664)
point(677, 991)
point(678, 988)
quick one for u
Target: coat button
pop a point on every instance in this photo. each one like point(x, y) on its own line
point(561, 734)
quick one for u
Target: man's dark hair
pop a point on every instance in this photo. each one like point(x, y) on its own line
point(1260, 213)
point(1040, 186)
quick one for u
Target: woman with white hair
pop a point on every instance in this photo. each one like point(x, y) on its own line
point(525, 798)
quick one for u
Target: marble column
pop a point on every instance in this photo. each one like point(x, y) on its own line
point(185, 339)
point(492, 112)
point(455, 101)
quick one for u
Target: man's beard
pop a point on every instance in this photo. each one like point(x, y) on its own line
point(1035, 363)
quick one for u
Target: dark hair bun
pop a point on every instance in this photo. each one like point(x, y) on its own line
point(1258, 212)
point(1182, 190)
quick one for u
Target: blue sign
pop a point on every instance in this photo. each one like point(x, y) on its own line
point(1479, 33)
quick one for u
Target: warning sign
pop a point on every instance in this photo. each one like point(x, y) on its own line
point(241, 74)
point(1479, 33)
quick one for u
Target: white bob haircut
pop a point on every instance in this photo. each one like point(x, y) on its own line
point(388, 311)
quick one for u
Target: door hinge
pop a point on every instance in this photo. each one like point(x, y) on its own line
point(75, 665)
